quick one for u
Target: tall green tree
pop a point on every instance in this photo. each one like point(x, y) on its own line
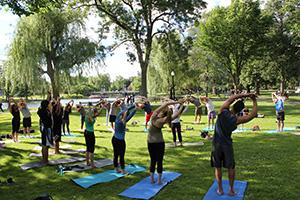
point(284, 40)
point(137, 22)
point(234, 35)
point(170, 53)
point(49, 43)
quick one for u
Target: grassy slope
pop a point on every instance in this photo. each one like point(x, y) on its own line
point(270, 163)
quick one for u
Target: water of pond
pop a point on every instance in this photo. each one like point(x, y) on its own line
point(36, 104)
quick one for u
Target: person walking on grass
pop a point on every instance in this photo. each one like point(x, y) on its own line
point(198, 109)
point(156, 144)
point(14, 110)
point(222, 148)
point(279, 107)
point(57, 113)
point(26, 117)
point(211, 113)
point(118, 139)
point(89, 135)
point(44, 112)
point(66, 117)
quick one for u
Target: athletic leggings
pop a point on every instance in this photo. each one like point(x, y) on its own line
point(156, 151)
point(90, 141)
point(176, 126)
point(66, 122)
point(119, 151)
point(82, 121)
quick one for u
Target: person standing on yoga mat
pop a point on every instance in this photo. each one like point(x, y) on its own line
point(279, 106)
point(146, 106)
point(175, 124)
point(211, 113)
point(14, 110)
point(118, 139)
point(113, 112)
point(81, 110)
point(66, 116)
point(222, 147)
point(156, 144)
point(44, 112)
point(198, 109)
point(57, 113)
point(26, 117)
point(90, 119)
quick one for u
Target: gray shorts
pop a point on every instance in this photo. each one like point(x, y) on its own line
point(222, 156)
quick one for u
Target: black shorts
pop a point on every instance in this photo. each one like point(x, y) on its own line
point(222, 155)
point(280, 115)
point(27, 122)
point(112, 118)
point(15, 125)
point(47, 137)
point(198, 110)
point(90, 141)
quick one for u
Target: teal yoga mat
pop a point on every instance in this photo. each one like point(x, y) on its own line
point(106, 176)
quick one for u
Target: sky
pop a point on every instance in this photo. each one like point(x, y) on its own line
point(116, 65)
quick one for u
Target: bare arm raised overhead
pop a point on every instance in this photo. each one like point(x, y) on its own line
point(253, 114)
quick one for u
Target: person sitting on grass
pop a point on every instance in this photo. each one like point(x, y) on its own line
point(89, 135)
point(156, 144)
point(26, 117)
point(222, 149)
point(211, 113)
point(44, 112)
point(14, 110)
point(118, 139)
point(279, 106)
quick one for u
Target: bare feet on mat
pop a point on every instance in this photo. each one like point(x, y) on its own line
point(231, 193)
point(220, 192)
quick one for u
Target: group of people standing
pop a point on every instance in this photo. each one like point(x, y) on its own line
point(15, 109)
point(53, 120)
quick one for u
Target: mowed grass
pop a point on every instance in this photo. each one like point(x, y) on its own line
point(269, 162)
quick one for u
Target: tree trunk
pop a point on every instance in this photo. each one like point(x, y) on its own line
point(51, 73)
point(143, 91)
point(282, 86)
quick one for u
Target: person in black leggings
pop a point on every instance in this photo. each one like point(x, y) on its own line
point(156, 143)
point(14, 110)
point(57, 113)
point(66, 117)
point(118, 140)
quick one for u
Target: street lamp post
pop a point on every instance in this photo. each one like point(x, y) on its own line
point(173, 85)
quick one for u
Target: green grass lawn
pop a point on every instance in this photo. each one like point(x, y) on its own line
point(269, 162)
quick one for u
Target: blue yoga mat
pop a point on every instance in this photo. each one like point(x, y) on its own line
point(106, 176)
point(239, 187)
point(208, 129)
point(284, 130)
point(145, 190)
